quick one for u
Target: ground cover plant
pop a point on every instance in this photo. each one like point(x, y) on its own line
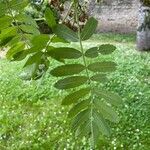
point(78, 71)
point(31, 115)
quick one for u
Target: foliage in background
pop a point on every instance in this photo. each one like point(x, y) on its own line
point(92, 107)
point(145, 2)
point(62, 10)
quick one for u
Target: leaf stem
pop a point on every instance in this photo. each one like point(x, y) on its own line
point(80, 40)
point(76, 4)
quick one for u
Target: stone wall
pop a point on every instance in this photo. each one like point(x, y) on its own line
point(116, 15)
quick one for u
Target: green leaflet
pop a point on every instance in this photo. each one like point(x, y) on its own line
point(18, 5)
point(70, 82)
point(31, 66)
point(50, 19)
point(66, 70)
point(96, 134)
point(64, 53)
point(28, 20)
point(22, 54)
point(19, 56)
point(40, 40)
point(3, 8)
point(5, 41)
point(92, 52)
point(9, 32)
point(5, 22)
point(78, 108)
point(75, 96)
point(89, 29)
point(14, 40)
point(66, 33)
point(57, 39)
point(100, 122)
point(15, 49)
point(88, 121)
point(29, 72)
point(102, 67)
point(107, 111)
point(110, 97)
point(99, 78)
point(33, 59)
point(106, 49)
point(29, 29)
point(33, 50)
point(81, 118)
point(84, 129)
point(28, 37)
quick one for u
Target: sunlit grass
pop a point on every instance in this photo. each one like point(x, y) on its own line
point(32, 118)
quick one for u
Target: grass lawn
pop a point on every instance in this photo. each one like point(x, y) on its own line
point(32, 118)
